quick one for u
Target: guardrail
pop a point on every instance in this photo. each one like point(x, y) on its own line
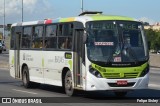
point(155, 60)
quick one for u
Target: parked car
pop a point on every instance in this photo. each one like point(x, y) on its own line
point(1, 48)
point(158, 52)
point(153, 51)
point(4, 47)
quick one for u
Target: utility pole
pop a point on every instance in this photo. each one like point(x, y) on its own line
point(81, 6)
point(22, 10)
point(4, 23)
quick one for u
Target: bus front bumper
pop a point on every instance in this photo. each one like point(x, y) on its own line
point(93, 83)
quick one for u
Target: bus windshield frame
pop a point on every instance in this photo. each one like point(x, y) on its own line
point(116, 42)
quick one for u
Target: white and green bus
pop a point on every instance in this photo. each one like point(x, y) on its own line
point(90, 52)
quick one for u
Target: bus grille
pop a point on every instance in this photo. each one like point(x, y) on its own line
point(130, 75)
point(120, 75)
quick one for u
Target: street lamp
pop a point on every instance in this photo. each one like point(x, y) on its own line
point(22, 10)
point(81, 5)
point(4, 23)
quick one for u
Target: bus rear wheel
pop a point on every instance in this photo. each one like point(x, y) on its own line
point(25, 77)
point(68, 84)
point(121, 93)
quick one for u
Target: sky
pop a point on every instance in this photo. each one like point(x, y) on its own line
point(144, 10)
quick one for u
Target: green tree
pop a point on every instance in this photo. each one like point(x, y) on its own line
point(158, 40)
point(153, 39)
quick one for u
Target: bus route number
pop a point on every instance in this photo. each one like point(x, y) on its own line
point(59, 59)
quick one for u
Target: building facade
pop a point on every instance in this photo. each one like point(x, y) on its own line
point(154, 27)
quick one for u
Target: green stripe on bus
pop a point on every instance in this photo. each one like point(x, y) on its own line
point(103, 17)
point(70, 64)
point(71, 19)
point(12, 60)
point(43, 62)
point(126, 72)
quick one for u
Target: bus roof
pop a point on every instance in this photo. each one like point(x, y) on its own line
point(84, 18)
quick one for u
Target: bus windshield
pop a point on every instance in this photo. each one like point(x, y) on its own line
point(116, 41)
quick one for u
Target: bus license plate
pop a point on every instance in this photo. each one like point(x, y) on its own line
point(122, 82)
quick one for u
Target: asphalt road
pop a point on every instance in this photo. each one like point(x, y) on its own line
point(10, 87)
point(4, 56)
point(4, 59)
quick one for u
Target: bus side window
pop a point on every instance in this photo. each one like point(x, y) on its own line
point(65, 42)
point(60, 27)
point(12, 44)
point(51, 36)
point(37, 37)
point(26, 37)
point(65, 39)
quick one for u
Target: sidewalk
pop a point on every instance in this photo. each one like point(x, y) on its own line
point(4, 64)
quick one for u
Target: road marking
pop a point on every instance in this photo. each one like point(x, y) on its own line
point(154, 85)
point(24, 91)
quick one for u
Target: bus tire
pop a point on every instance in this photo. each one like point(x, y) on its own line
point(25, 77)
point(0, 51)
point(69, 90)
point(121, 93)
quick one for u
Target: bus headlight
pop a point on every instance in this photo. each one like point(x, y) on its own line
point(145, 71)
point(95, 72)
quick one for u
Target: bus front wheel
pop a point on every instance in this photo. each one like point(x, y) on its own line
point(25, 77)
point(68, 84)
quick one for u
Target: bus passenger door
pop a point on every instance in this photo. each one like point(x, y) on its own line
point(78, 58)
point(18, 32)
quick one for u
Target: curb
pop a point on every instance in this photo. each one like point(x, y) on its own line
point(155, 68)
